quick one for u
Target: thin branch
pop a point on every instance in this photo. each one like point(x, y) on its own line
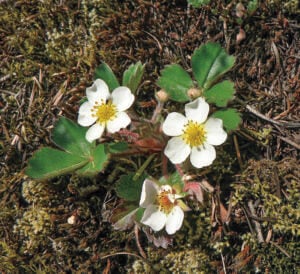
point(122, 253)
point(157, 111)
point(238, 153)
point(136, 233)
point(223, 262)
point(290, 142)
point(262, 116)
point(257, 226)
point(281, 249)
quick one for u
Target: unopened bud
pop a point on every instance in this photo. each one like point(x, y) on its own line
point(162, 96)
point(194, 93)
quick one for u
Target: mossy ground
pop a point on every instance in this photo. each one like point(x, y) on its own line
point(48, 53)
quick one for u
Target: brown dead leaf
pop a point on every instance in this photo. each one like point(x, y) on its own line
point(240, 36)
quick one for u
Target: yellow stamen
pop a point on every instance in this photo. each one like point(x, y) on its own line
point(165, 203)
point(194, 134)
point(104, 112)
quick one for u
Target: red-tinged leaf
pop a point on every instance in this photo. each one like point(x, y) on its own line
point(195, 189)
point(241, 259)
point(107, 269)
point(130, 136)
point(151, 144)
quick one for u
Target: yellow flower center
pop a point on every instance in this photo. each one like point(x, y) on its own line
point(194, 134)
point(165, 203)
point(104, 112)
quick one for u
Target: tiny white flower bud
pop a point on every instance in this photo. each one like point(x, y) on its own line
point(72, 220)
point(162, 96)
point(194, 93)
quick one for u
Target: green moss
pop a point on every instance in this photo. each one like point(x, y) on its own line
point(36, 228)
point(273, 187)
point(185, 261)
point(290, 7)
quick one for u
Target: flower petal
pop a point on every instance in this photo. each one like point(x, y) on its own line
point(174, 124)
point(154, 218)
point(149, 192)
point(215, 134)
point(121, 121)
point(177, 150)
point(174, 220)
point(94, 132)
point(203, 156)
point(122, 98)
point(197, 110)
point(97, 92)
point(86, 120)
point(85, 108)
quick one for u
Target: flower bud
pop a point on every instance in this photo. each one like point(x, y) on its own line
point(194, 93)
point(162, 96)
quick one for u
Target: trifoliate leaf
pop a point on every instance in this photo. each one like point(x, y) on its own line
point(209, 62)
point(105, 73)
point(176, 82)
point(231, 118)
point(133, 76)
point(130, 189)
point(220, 94)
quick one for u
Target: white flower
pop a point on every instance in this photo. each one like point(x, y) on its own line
point(105, 110)
point(162, 207)
point(193, 135)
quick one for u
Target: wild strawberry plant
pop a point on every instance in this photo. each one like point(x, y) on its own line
point(109, 129)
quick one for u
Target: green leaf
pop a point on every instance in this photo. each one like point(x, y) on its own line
point(209, 62)
point(97, 160)
point(252, 6)
point(71, 137)
point(139, 214)
point(49, 162)
point(105, 73)
point(176, 82)
point(220, 94)
point(172, 180)
point(231, 118)
point(79, 154)
point(133, 76)
point(117, 147)
point(130, 189)
point(198, 3)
